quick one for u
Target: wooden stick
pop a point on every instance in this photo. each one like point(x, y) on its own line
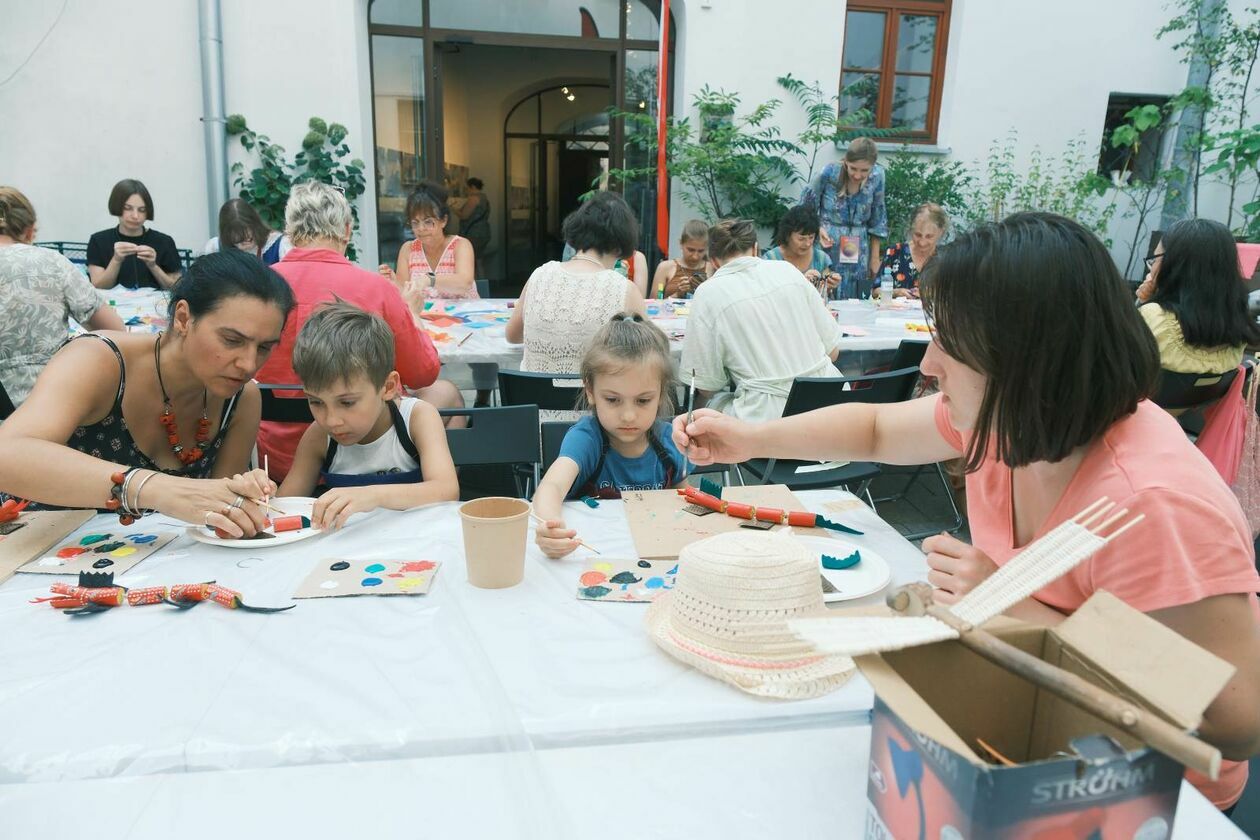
point(1126, 526)
point(1120, 514)
point(1080, 516)
point(538, 520)
point(916, 599)
point(1088, 521)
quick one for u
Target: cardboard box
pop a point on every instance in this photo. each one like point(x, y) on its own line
point(1076, 777)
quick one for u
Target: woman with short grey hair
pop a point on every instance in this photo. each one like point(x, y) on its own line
point(317, 213)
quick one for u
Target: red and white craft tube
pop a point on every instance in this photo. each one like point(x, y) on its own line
point(146, 596)
point(111, 596)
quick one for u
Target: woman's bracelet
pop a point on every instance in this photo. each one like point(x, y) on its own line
point(140, 511)
point(118, 500)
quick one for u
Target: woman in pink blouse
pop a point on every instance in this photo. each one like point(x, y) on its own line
point(435, 265)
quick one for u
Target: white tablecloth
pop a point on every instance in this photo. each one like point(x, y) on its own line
point(523, 712)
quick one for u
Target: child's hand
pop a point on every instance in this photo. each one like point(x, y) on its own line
point(554, 539)
point(337, 505)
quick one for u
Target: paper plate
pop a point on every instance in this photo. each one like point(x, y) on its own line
point(866, 578)
point(293, 505)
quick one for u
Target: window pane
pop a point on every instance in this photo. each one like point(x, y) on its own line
point(864, 39)
point(641, 98)
point(859, 92)
point(910, 102)
point(577, 18)
point(916, 43)
point(643, 21)
point(398, 94)
point(398, 12)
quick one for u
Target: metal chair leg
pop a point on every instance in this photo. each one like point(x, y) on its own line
point(953, 503)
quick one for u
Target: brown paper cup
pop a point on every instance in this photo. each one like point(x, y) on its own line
point(495, 530)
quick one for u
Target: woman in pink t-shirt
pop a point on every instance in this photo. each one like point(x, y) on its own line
point(1049, 412)
point(433, 265)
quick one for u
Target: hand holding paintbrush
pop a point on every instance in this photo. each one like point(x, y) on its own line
point(554, 539)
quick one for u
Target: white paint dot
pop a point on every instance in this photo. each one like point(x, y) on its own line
point(52, 561)
point(329, 584)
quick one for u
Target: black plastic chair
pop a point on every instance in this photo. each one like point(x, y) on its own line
point(1186, 395)
point(483, 288)
point(553, 433)
point(6, 404)
point(503, 435)
point(518, 387)
point(284, 409)
point(908, 354)
point(808, 394)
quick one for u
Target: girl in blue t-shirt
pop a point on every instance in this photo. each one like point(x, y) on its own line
point(627, 379)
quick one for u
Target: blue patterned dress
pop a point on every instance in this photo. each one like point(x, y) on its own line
point(860, 215)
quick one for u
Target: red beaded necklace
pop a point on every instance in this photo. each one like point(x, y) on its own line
point(185, 456)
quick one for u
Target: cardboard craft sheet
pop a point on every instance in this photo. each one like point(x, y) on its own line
point(33, 533)
point(661, 528)
point(338, 578)
point(626, 580)
point(113, 549)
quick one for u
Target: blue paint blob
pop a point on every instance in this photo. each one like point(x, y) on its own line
point(624, 578)
point(142, 539)
point(372, 581)
point(654, 583)
point(595, 591)
point(339, 566)
point(374, 568)
point(643, 564)
point(838, 563)
point(673, 571)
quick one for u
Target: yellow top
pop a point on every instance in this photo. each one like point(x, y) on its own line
point(1178, 356)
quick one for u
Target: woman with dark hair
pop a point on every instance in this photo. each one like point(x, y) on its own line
point(796, 242)
point(1050, 416)
point(130, 254)
point(241, 227)
point(1196, 300)
point(563, 304)
point(433, 264)
point(129, 422)
point(756, 324)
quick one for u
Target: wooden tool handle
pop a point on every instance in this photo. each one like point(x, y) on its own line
point(1124, 715)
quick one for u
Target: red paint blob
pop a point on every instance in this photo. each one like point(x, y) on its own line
point(593, 578)
point(417, 566)
point(70, 551)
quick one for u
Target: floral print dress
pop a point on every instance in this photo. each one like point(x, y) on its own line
point(850, 221)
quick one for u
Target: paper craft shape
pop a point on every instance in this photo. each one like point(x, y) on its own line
point(33, 533)
point(867, 576)
point(661, 528)
point(441, 319)
point(626, 580)
point(339, 578)
point(275, 535)
point(111, 549)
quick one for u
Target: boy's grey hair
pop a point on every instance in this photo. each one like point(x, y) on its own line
point(339, 342)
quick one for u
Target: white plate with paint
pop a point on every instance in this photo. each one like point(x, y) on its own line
point(291, 505)
point(866, 578)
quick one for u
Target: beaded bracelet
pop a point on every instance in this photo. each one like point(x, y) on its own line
point(117, 500)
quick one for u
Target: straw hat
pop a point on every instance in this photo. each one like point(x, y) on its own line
point(728, 614)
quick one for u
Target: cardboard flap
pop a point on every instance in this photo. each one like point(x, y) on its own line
point(1170, 673)
point(910, 707)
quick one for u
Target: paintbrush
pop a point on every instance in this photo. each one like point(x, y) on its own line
point(691, 406)
point(538, 520)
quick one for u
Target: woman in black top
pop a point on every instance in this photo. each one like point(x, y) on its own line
point(177, 411)
point(130, 254)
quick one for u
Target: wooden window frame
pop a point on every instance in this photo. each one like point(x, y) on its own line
point(893, 9)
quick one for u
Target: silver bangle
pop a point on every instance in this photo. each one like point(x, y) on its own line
point(126, 507)
point(140, 486)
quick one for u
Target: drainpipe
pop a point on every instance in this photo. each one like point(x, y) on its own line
point(1179, 202)
point(213, 120)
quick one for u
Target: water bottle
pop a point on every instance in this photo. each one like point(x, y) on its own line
point(886, 287)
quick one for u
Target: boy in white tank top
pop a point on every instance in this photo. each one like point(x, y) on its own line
point(369, 446)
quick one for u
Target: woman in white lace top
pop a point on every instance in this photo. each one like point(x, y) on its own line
point(564, 303)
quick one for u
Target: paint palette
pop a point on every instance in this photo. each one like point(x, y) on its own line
point(291, 505)
point(871, 574)
point(341, 578)
point(113, 550)
point(626, 580)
